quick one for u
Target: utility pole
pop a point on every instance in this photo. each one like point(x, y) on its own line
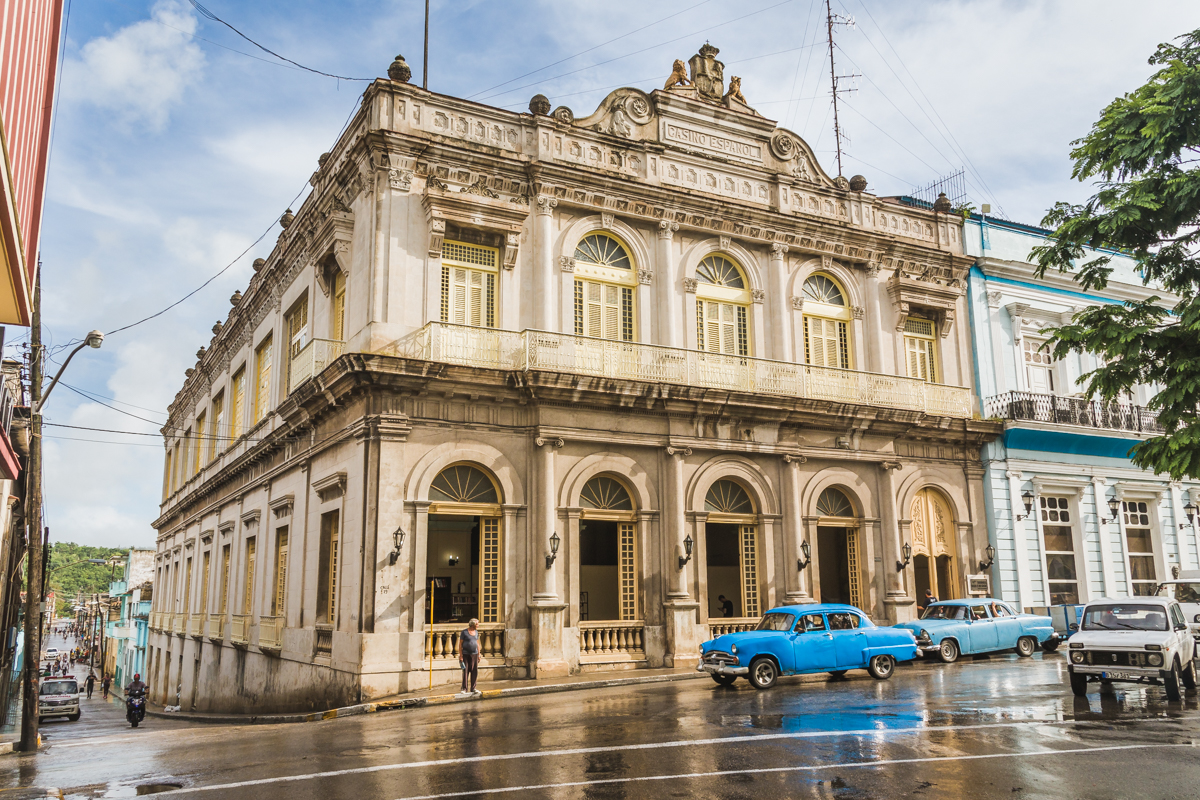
point(31, 679)
point(425, 66)
point(832, 19)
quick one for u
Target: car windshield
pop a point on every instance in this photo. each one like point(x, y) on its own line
point(1183, 592)
point(775, 621)
point(945, 612)
point(60, 687)
point(1130, 617)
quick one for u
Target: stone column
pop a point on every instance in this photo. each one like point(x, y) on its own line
point(547, 611)
point(778, 304)
point(1106, 556)
point(1020, 539)
point(544, 317)
point(875, 323)
point(679, 611)
point(797, 589)
point(896, 598)
point(671, 312)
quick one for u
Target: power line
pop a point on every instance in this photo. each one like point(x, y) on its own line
point(208, 14)
point(92, 395)
point(99, 441)
point(106, 405)
point(590, 49)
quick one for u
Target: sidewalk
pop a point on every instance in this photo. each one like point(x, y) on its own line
point(441, 695)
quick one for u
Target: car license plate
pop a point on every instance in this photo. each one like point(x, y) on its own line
point(1118, 676)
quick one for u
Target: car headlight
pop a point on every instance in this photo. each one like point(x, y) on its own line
point(1077, 657)
point(1155, 660)
point(733, 648)
point(923, 635)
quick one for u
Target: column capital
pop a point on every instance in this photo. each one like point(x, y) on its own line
point(778, 250)
point(545, 204)
point(1097, 481)
point(887, 466)
point(666, 229)
point(794, 459)
point(678, 451)
point(557, 441)
point(1015, 473)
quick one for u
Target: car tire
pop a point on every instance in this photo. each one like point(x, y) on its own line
point(1173, 683)
point(1189, 677)
point(1079, 685)
point(837, 673)
point(724, 680)
point(763, 673)
point(134, 723)
point(1049, 646)
point(1026, 646)
point(74, 718)
point(881, 667)
point(948, 650)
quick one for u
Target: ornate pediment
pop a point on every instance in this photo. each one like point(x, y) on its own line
point(910, 295)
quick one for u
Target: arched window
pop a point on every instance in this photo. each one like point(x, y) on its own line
point(834, 503)
point(826, 323)
point(722, 307)
point(727, 497)
point(463, 483)
point(605, 494)
point(604, 284)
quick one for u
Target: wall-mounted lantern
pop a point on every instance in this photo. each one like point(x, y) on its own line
point(687, 549)
point(806, 552)
point(554, 542)
point(906, 552)
point(1027, 499)
point(991, 558)
point(398, 542)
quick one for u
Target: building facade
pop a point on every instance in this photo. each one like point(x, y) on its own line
point(609, 385)
point(1071, 518)
point(126, 636)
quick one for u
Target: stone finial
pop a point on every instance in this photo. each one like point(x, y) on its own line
point(858, 183)
point(942, 203)
point(187, 373)
point(235, 298)
point(216, 328)
point(259, 263)
point(200, 354)
point(707, 50)
point(286, 219)
point(321, 159)
point(539, 105)
point(399, 70)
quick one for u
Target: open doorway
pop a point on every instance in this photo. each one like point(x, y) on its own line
point(599, 598)
point(834, 569)
point(723, 561)
point(452, 567)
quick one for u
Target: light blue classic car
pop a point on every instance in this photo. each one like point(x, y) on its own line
point(951, 628)
point(794, 640)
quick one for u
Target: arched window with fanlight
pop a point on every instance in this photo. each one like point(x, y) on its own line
point(827, 318)
point(604, 282)
point(722, 306)
point(464, 551)
point(608, 552)
point(731, 552)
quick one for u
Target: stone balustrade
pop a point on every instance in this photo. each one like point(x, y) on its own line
point(724, 625)
point(239, 629)
point(440, 639)
point(611, 638)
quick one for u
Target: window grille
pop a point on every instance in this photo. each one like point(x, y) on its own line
point(918, 327)
point(489, 570)
point(464, 254)
point(627, 564)
point(821, 289)
point(749, 556)
point(1140, 547)
point(603, 251)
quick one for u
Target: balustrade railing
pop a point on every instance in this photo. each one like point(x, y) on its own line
point(1036, 407)
point(215, 626)
point(195, 625)
point(312, 359)
point(440, 639)
point(323, 645)
point(612, 638)
point(270, 633)
point(542, 350)
point(724, 625)
point(239, 629)
point(178, 622)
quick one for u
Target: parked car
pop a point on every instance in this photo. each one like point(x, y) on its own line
point(58, 697)
point(1185, 590)
point(796, 640)
point(950, 628)
point(50, 654)
point(1133, 640)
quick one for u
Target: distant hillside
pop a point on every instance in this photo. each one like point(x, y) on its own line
point(85, 578)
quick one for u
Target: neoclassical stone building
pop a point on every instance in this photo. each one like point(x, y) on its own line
point(608, 384)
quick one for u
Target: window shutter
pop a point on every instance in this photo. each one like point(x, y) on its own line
point(339, 306)
point(612, 312)
point(822, 342)
point(594, 308)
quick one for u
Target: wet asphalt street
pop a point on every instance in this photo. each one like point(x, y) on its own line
point(995, 728)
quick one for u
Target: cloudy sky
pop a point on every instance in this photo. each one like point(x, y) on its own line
point(177, 145)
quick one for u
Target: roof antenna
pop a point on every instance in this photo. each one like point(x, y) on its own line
point(425, 68)
point(832, 19)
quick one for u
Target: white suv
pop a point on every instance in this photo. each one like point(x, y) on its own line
point(58, 697)
point(1134, 639)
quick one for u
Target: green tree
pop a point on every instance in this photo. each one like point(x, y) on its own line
point(67, 579)
point(1142, 154)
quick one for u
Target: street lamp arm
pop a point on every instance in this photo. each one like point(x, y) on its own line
point(93, 339)
point(82, 561)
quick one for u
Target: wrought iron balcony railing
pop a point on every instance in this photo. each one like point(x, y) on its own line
point(1035, 407)
point(532, 350)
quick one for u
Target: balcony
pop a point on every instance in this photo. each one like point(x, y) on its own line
point(214, 627)
point(312, 359)
point(1033, 407)
point(178, 623)
point(555, 352)
point(270, 633)
point(239, 629)
point(195, 625)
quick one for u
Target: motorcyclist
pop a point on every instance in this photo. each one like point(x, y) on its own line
point(136, 688)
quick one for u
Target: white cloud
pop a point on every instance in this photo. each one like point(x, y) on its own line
point(143, 70)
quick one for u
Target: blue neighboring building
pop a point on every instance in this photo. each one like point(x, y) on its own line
point(1096, 525)
point(127, 635)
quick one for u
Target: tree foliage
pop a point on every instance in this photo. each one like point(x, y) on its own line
point(1142, 154)
point(68, 581)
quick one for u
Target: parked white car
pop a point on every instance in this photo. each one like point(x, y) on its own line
point(1185, 590)
point(1133, 640)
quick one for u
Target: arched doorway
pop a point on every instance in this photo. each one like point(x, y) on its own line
point(608, 562)
point(462, 562)
point(731, 553)
point(934, 549)
point(838, 549)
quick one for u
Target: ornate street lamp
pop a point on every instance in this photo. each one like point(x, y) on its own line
point(687, 549)
point(906, 552)
point(991, 558)
point(1027, 499)
point(806, 551)
point(398, 542)
point(554, 542)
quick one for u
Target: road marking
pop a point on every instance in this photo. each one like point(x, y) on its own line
point(769, 770)
point(578, 751)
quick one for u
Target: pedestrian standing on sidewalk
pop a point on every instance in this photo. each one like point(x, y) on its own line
point(90, 683)
point(104, 684)
point(468, 655)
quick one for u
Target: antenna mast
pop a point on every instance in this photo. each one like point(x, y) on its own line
point(832, 19)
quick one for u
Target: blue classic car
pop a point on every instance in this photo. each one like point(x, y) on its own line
point(951, 628)
point(794, 640)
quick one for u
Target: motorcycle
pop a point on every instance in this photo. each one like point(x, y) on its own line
point(135, 709)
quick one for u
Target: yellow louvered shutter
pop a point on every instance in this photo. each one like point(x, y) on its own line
point(919, 355)
point(339, 306)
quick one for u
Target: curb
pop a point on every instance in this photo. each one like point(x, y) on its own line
point(421, 702)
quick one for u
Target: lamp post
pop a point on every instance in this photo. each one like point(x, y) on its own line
point(35, 602)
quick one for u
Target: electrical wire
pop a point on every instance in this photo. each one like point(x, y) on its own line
point(893, 138)
point(590, 49)
point(92, 395)
point(106, 405)
point(99, 441)
point(208, 14)
point(226, 47)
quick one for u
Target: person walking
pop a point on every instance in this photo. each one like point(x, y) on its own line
point(90, 683)
point(104, 684)
point(468, 655)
